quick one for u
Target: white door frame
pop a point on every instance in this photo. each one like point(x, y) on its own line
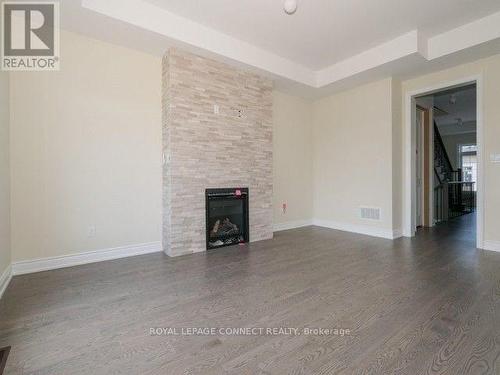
point(419, 162)
point(409, 210)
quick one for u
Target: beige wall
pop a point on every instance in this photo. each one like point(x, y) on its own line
point(86, 151)
point(353, 163)
point(490, 70)
point(5, 251)
point(292, 155)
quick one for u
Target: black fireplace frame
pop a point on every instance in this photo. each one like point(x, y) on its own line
point(225, 193)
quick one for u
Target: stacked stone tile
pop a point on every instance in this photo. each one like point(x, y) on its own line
point(207, 150)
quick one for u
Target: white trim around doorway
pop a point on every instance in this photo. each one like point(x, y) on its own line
point(409, 210)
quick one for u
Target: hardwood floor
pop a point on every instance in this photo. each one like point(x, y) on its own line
point(428, 305)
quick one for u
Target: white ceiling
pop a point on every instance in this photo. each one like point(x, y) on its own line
point(326, 46)
point(324, 32)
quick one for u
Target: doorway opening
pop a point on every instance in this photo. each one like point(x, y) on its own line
point(444, 166)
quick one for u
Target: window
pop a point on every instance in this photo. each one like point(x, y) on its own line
point(468, 148)
point(468, 163)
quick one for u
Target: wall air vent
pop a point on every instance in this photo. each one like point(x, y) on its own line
point(370, 213)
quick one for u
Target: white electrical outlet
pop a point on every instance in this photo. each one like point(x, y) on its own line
point(91, 231)
point(216, 109)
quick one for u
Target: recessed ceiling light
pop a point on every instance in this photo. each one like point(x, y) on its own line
point(290, 6)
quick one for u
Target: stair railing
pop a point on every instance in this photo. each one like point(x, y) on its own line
point(452, 196)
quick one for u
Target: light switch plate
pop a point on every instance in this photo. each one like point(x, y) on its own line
point(495, 158)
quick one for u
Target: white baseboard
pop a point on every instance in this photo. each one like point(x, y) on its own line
point(491, 245)
point(5, 278)
point(45, 264)
point(397, 233)
point(292, 225)
point(361, 229)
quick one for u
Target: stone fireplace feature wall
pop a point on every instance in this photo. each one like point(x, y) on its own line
point(204, 149)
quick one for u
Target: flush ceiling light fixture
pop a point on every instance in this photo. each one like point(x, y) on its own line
point(290, 6)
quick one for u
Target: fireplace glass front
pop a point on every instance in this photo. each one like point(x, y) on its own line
point(226, 217)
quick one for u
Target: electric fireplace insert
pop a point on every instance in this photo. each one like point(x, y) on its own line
point(226, 217)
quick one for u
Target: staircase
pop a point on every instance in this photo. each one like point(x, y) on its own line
point(442, 165)
point(452, 196)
